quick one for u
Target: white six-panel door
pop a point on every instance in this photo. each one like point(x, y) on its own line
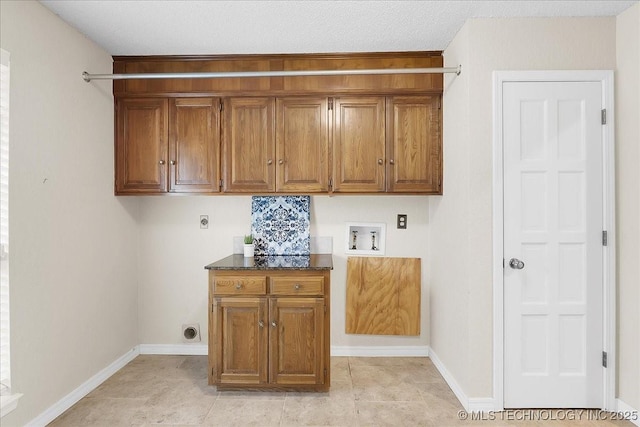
point(553, 289)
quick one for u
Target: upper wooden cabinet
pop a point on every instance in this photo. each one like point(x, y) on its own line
point(302, 145)
point(359, 144)
point(141, 145)
point(167, 145)
point(296, 134)
point(414, 153)
point(194, 144)
point(249, 145)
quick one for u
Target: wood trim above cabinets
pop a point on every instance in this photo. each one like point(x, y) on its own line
point(279, 86)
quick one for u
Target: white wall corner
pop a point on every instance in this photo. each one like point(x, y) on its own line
point(85, 388)
point(175, 349)
point(473, 404)
point(380, 351)
point(630, 413)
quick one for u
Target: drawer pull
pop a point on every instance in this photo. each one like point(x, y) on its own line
point(239, 286)
point(297, 286)
point(261, 324)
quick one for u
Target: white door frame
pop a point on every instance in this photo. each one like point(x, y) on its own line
point(605, 77)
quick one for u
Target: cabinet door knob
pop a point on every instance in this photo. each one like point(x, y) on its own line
point(239, 286)
point(281, 162)
point(269, 161)
point(274, 324)
point(380, 161)
point(161, 162)
point(261, 324)
point(392, 162)
point(173, 162)
point(297, 286)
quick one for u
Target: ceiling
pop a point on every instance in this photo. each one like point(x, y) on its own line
point(184, 27)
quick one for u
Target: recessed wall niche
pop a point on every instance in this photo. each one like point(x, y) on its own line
point(365, 238)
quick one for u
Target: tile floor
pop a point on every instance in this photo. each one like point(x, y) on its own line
point(173, 390)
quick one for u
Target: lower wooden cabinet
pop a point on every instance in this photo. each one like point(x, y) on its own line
point(269, 331)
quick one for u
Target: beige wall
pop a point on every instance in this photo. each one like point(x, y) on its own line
point(490, 44)
point(173, 251)
point(628, 202)
point(73, 289)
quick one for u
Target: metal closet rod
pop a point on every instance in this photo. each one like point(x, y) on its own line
point(227, 74)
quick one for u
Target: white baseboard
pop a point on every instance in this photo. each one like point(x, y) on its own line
point(85, 388)
point(380, 351)
point(175, 349)
point(624, 408)
point(470, 404)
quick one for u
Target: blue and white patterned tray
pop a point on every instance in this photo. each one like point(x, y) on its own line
point(280, 225)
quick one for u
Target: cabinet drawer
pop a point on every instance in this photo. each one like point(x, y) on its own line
point(238, 285)
point(297, 286)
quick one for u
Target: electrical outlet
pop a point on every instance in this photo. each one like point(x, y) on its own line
point(204, 221)
point(402, 221)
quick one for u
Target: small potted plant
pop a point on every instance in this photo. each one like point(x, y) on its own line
point(249, 249)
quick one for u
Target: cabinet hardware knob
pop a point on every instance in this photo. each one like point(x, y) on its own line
point(392, 162)
point(161, 162)
point(380, 161)
point(274, 324)
point(297, 286)
point(239, 286)
point(281, 162)
point(173, 162)
point(261, 324)
point(269, 161)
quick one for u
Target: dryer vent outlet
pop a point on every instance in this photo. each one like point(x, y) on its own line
point(191, 332)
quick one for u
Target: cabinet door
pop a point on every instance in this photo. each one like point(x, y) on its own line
point(141, 146)
point(296, 341)
point(249, 144)
point(194, 144)
point(240, 336)
point(359, 144)
point(302, 145)
point(414, 144)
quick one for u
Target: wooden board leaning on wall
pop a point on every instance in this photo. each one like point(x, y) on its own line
point(383, 296)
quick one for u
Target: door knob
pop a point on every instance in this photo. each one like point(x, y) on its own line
point(274, 324)
point(516, 264)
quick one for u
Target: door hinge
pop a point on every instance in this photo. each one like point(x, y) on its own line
point(604, 238)
point(330, 104)
point(221, 183)
point(603, 116)
point(604, 359)
point(221, 105)
point(212, 307)
point(325, 374)
point(325, 308)
point(330, 183)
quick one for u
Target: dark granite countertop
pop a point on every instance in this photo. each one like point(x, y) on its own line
point(274, 262)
